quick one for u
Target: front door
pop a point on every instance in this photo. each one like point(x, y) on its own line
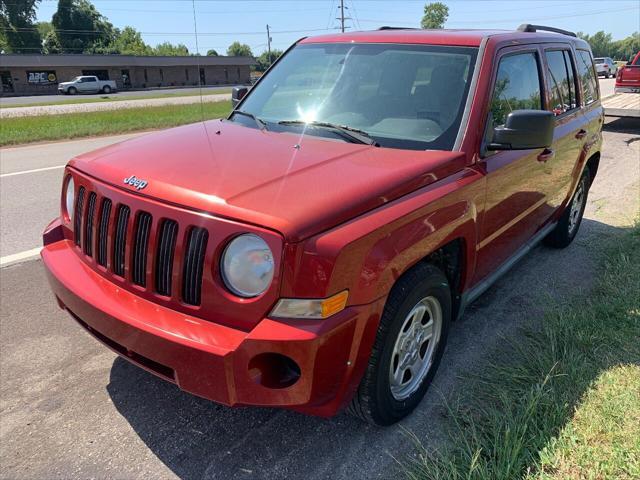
point(517, 180)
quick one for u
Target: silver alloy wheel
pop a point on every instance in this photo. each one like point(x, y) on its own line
point(415, 347)
point(576, 207)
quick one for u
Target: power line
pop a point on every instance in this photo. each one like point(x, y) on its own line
point(91, 32)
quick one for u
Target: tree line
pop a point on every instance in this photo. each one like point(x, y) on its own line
point(78, 27)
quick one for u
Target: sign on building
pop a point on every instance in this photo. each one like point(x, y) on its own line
point(46, 77)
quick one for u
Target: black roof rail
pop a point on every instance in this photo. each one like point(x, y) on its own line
point(527, 27)
point(386, 27)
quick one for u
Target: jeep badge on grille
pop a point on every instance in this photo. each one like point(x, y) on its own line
point(135, 182)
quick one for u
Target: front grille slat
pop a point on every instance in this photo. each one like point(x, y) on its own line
point(77, 216)
point(164, 260)
point(88, 229)
point(141, 246)
point(103, 231)
point(119, 239)
point(193, 265)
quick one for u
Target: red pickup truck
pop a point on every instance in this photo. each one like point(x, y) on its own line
point(628, 78)
point(311, 250)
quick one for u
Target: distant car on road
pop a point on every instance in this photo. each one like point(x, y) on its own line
point(606, 67)
point(628, 79)
point(87, 84)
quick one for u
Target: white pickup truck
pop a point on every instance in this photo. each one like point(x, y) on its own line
point(87, 84)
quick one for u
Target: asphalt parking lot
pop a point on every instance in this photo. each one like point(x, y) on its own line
point(70, 408)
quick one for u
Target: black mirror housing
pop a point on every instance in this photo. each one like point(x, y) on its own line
point(524, 130)
point(237, 94)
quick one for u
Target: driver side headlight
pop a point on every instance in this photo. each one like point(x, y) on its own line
point(247, 266)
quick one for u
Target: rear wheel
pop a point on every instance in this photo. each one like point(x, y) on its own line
point(106, 89)
point(568, 225)
point(408, 347)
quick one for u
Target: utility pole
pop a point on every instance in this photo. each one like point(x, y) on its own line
point(342, 18)
point(268, 45)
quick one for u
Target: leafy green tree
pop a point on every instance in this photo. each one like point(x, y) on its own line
point(435, 15)
point(81, 28)
point(265, 60)
point(212, 53)
point(171, 50)
point(237, 49)
point(44, 28)
point(51, 44)
point(18, 32)
point(626, 48)
point(128, 41)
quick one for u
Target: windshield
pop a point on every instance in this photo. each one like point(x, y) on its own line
point(599, 60)
point(403, 96)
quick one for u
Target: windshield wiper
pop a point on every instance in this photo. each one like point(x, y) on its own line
point(261, 123)
point(350, 133)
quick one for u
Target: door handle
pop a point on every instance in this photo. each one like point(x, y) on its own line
point(581, 134)
point(547, 154)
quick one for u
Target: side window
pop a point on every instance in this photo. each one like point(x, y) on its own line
point(587, 76)
point(561, 81)
point(517, 86)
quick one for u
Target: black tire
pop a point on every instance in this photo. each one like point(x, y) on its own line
point(566, 229)
point(374, 401)
point(72, 91)
point(106, 89)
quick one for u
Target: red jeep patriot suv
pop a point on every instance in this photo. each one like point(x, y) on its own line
point(311, 250)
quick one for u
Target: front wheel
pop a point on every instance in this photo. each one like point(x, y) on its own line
point(408, 347)
point(72, 91)
point(567, 228)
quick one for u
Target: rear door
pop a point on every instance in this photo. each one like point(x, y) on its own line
point(517, 180)
point(570, 134)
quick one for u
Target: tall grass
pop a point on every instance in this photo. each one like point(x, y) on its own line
point(520, 416)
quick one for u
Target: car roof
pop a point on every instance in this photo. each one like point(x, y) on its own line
point(457, 37)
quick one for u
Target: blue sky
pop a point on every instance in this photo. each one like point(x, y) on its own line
point(220, 22)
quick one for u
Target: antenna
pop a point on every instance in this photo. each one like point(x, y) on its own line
point(195, 30)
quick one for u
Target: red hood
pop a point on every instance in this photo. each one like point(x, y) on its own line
point(260, 177)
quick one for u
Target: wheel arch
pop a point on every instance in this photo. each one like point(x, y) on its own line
point(592, 164)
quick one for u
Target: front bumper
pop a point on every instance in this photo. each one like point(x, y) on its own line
point(212, 360)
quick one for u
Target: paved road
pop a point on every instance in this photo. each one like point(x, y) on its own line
point(28, 201)
point(69, 408)
point(9, 101)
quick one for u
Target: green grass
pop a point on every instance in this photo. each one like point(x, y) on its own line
point(560, 401)
point(22, 130)
point(117, 98)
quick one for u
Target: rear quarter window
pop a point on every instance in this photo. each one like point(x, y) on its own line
point(587, 77)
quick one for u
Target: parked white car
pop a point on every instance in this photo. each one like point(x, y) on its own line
point(606, 66)
point(87, 84)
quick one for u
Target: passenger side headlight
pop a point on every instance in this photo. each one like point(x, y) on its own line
point(247, 266)
point(69, 195)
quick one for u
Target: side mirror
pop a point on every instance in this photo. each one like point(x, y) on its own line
point(238, 94)
point(524, 130)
